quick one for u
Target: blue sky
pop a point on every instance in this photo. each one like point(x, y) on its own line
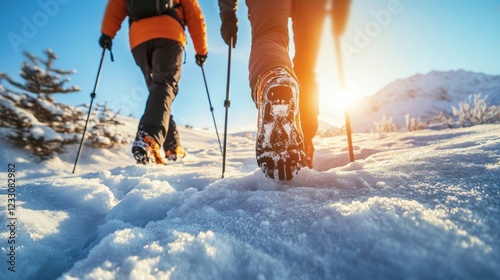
point(385, 40)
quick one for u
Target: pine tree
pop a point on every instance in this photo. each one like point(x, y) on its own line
point(40, 78)
point(43, 126)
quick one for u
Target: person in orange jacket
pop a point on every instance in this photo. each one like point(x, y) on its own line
point(157, 43)
point(287, 111)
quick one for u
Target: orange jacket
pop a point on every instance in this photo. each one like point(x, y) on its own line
point(163, 26)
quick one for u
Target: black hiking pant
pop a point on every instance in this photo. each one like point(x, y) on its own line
point(160, 61)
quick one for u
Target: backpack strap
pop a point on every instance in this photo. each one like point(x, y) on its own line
point(171, 12)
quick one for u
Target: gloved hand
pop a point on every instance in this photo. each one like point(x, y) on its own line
point(229, 27)
point(105, 41)
point(340, 13)
point(200, 59)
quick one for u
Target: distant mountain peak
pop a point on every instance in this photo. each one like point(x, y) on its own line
point(422, 95)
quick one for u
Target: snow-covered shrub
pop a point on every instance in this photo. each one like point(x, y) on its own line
point(413, 124)
point(45, 127)
point(36, 122)
point(385, 125)
point(104, 132)
point(475, 110)
point(442, 120)
point(28, 125)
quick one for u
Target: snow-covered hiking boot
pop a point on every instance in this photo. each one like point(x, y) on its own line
point(279, 143)
point(146, 150)
point(175, 153)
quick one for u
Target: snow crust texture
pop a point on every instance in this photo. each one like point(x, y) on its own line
point(419, 205)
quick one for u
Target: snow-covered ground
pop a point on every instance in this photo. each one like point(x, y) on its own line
point(419, 205)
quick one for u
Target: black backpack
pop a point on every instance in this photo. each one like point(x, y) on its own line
point(139, 9)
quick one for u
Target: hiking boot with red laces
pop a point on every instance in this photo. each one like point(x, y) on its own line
point(175, 153)
point(146, 150)
point(280, 144)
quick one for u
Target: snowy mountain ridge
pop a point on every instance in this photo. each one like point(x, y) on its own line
point(422, 96)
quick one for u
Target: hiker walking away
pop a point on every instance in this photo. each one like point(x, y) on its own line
point(280, 150)
point(307, 23)
point(157, 41)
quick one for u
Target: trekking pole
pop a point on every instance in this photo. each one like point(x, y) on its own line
point(92, 96)
point(227, 103)
point(340, 70)
point(211, 108)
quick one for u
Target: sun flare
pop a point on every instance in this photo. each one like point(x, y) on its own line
point(333, 100)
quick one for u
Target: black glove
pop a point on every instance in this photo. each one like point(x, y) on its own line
point(229, 27)
point(340, 13)
point(105, 41)
point(200, 59)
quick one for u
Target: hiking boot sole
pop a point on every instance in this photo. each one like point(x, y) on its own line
point(280, 144)
point(279, 151)
point(141, 156)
